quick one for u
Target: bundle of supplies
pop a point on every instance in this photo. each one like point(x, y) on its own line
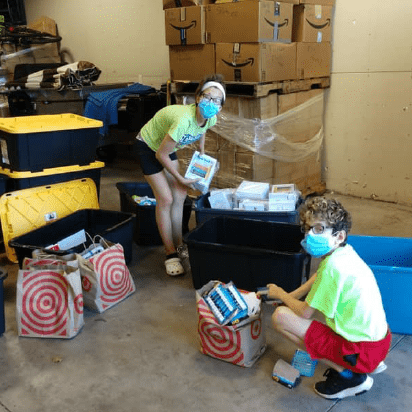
point(222, 198)
point(283, 197)
point(230, 324)
point(256, 196)
point(144, 200)
point(203, 168)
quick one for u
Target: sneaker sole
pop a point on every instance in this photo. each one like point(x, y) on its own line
point(358, 390)
point(381, 368)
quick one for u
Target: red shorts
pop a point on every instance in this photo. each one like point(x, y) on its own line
point(361, 357)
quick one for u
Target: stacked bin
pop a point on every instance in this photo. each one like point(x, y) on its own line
point(40, 150)
point(48, 149)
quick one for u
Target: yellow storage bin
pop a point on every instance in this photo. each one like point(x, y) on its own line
point(34, 143)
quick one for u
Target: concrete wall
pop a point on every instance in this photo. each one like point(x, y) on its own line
point(125, 38)
point(368, 117)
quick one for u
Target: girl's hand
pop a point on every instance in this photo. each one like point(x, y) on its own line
point(188, 182)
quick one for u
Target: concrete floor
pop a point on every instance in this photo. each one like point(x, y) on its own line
point(142, 355)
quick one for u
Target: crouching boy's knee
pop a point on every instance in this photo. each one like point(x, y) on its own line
point(280, 317)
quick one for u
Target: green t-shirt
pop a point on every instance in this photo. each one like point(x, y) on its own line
point(179, 121)
point(346, 292)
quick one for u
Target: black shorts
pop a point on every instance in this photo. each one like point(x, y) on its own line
point(150, 165)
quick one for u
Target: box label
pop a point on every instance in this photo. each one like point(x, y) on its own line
point(4, 152)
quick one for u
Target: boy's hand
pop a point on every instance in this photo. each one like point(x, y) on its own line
point(274, 292)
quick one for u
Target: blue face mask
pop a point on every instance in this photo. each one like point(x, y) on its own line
point(208, 109)
point(318, 245)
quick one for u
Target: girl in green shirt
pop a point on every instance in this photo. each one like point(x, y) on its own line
point(170, 129)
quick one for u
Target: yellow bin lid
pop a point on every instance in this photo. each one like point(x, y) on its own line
point(25, 210)
point(47, 123)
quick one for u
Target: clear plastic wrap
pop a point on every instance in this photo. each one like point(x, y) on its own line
point(275, 138)
point(279, 150)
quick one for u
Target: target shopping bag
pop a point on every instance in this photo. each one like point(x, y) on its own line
point(106, 280)
point(241, 344)
point(49, 301)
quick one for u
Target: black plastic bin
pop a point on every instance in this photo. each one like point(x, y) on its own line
point(35, 143)
point(25, 180)
point(203, 212)
point(146, 232)
point(251, 253)
point(3, 275)
point(116, 227)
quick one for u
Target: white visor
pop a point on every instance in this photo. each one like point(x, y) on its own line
point(217, 85)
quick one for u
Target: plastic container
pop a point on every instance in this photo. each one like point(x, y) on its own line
point(116, 227)
point(25, 210)
point(146, 232)
point(3, 275)
point(203, 212)
point(390, 259)
point(34, 143)
point(251, 253)
point(25, 180)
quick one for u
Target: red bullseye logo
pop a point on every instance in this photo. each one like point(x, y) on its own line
point(218, 341)
point(255, 329)
point(78, 303)
point(44, 303)
point(115, 281)
point(86, 284)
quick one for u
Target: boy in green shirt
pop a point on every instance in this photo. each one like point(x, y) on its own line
point(355, 339)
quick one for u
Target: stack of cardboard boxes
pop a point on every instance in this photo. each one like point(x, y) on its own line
point(255, 42)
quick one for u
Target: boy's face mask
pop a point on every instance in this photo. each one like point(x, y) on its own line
point(318, 245)
point(208, 109)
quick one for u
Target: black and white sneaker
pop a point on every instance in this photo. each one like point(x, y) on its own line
point(337, 387)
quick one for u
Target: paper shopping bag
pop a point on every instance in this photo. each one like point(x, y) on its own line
point(241, 344)
point(49, 302)
point(106, 280)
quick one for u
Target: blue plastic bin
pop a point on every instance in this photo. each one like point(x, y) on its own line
point(203, 212)
point(390, 259)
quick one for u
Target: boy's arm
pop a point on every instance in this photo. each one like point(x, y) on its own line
point(291, 299)
point(304, 289)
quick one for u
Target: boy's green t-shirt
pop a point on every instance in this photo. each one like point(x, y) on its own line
point(179, 121)
point(346, 292)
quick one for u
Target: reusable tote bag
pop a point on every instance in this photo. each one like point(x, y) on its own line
point(106, 279)
point(241, 344)
point(49, 301)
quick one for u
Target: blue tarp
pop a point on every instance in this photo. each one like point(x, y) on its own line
point(103, 105)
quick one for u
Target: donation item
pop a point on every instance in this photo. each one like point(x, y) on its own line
point(285, 374)
point(252, 190)
point(304, 363)
point(242, 343)
point(202, 167)
point(283, 198)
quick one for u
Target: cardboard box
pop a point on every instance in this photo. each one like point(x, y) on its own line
point(320, 2)
point(192, 62)
point(252, 108)
point(256, 62)
point(167, 4)
point(185, 25)
point(312, 23)
point(249, 22)
point(254, 167)
point(235, 1)
point(313, 60)
point(45, 53)
point(44, 24)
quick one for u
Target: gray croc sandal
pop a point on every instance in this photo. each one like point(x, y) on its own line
point(174, 267)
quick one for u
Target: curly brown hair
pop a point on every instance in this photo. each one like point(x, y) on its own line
point(330, 211)
point(211, 78)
